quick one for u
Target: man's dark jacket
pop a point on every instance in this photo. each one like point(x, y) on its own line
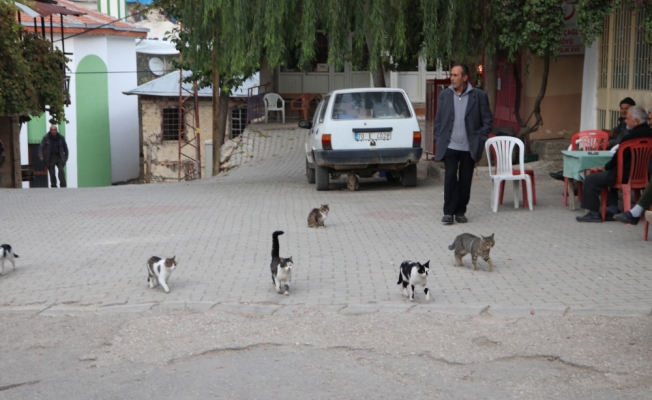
point(638, 132)
point(45, 147)
point(478, 121)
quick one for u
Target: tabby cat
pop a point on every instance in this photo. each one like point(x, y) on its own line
point(6, 254)
point(159, 271)
point(281, 267)
point(317, 216)
point(476, 246)
point(412, 273)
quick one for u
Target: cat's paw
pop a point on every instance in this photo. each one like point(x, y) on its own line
point(286, 293)
point(411, 298)
point(428, 297)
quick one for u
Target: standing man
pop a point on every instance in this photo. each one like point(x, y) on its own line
point(55, 151)
point(461, 128)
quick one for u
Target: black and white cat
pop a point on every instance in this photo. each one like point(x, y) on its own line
point(6, 254)
point(281, 267)
point(159, 271)
point(412, 273)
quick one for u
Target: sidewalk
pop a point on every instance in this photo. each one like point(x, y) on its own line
point(85, 249)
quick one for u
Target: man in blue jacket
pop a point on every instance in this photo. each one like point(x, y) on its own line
point(54, 151)
point(462, 126)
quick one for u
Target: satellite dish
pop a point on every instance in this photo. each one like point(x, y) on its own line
point(157, 66)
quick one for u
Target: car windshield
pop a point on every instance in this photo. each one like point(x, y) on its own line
point(368, 105)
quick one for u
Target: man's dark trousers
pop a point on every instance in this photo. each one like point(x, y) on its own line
point(55, 160)
point(592, 188)
point(457, 181)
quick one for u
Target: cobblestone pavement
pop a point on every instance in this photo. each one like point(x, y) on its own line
point(87, 248)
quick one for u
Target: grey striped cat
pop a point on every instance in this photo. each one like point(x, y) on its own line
point(476, 246)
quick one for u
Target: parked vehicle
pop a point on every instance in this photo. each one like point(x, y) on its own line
point(363, 131)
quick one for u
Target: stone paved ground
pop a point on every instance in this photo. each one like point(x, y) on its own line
point(86, 248)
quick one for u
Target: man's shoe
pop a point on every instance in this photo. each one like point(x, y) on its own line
point(557, 175)
point(447, 219)
point(589, 217)
point(626, 218)
point(461, 219)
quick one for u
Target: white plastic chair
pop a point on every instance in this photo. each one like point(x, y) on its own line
point(503, 147)
point(274, 102)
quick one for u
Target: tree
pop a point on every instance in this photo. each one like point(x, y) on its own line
point(31, 72)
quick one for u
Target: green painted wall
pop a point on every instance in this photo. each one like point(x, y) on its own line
point(36, 129)
point(93, 136)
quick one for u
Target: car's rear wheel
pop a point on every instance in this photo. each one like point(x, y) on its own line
point(409, 176)
point(321, 178)
point(310, 172)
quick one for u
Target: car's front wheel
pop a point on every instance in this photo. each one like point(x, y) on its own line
point(321, 178)
point(310, 172)
point(409, 176)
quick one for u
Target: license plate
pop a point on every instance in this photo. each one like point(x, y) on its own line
point(362, 136)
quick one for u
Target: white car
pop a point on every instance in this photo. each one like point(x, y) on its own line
point(363, 131)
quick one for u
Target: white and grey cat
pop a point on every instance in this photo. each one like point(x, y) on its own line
point(467, 243)
point(6, 253)
point(412, 274)
point(281, 267)
point(159, 271)
point(317, 216)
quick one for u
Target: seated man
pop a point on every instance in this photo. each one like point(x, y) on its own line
point(620, 130)
point(632, 216)
point(616, 136)
point(637, 125)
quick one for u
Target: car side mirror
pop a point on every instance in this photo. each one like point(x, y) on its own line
point(305, 124)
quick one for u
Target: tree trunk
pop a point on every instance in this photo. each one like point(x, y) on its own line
point(491, 78)
point(526, 131)
point(216, 117)
point(223, 116)
point(377, 74)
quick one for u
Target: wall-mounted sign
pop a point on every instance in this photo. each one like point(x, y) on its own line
point(571, 43)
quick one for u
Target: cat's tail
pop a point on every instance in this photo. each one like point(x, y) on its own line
point(275, 245)
point(400, 278)
point(16, 255)
point(452, 246)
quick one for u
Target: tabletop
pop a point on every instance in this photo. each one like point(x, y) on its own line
point(578, 161)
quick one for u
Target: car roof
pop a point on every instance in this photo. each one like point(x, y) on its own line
point(358, 90)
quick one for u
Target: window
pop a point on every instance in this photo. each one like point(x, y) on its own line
point(603, 61)
point(621, 40)
point(171, 124)
point(238, 121)
point(365, 105)
point(642, 54)
point(602, 119)
point(322, 114)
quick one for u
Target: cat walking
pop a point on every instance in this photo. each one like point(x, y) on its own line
point(159, 271)
point(281, 267)
point(467, 243)
point(317, 216)
point(7, 254)
point(412, 274)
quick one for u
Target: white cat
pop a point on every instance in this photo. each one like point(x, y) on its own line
point(6, 254)
point(159, 271)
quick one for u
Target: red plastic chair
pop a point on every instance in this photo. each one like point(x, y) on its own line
point(589, 141)
point(516, 172)
point(641, 152)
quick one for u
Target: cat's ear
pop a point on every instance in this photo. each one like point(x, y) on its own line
point(492, 236)
point(427, 264)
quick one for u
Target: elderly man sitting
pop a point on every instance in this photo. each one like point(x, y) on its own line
point(632, 216)
point(637, 126)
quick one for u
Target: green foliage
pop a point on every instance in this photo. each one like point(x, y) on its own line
point(534, 25)
point(591, 14)
point(31, 73)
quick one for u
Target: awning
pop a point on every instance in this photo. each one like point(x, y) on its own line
point(45, 10)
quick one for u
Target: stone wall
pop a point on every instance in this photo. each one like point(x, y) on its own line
point(162, 155)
